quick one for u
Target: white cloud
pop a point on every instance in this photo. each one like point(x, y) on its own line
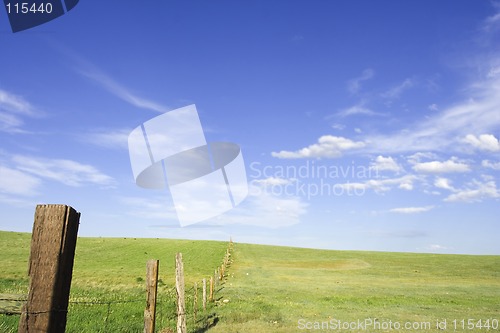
point(486, 142)
point(16, 104)
point(120, 91)
point(264, 209)
point(411, 210)
point(354, 85)
point(433, 107)
point(475, 192)
point(442, 131)
point(441, 167)
point(328, 146)
point(10, 122)
point(436, 247)
point(494, 72)
point(338, 126)
point(491, 165)
point(273, 181)
point(68, 172)
point(151, 207)
point(396, 91)
point(17, 201)
point(444, 183)
point(381, 185)
point(116, 139)
point(357, 110)
point(12, 107)
point(406, 185)
point(419, 156)
point(261, 208)
point(492, 23)
point(16, 182)
point(382, 163)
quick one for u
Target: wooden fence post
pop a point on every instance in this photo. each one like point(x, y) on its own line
point(53, 244)
point(211, 289)
point(151, 290)
point(179, 285)
point(195, 302)
point(204, 294)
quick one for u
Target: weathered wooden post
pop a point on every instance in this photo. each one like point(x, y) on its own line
point(151, 289)
point(204, 294)
point(211, 289)
point(53, 244)
point(179, 285)
point(195, 302)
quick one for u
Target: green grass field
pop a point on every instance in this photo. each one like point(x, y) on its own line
point(112, 271)
point(274, 289)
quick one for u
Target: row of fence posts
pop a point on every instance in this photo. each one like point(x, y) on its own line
point(152, 287)
point(50, 271)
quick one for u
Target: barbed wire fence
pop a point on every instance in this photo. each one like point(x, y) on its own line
point(200, 301)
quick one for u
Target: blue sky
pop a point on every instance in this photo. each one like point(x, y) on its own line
point(364, 125)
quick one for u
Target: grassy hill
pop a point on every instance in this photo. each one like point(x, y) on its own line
point(108, 287)
point(275, 289)
point(281, 289)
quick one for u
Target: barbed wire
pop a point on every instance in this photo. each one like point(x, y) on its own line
point(165, 303)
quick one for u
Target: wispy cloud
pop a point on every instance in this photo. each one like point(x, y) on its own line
point(490, 165)
point(151, 207)
point(328, 146)
point(17, 201)
point(16, 104)
point(475, 191)
point(261, 208)
point(113, 138)
point(437, 247)
point(399, 233)
point(444, 130)
point(338, 127)
point(91, 72)
point(12, 108)
point(411, 210)
point(68, 172)
point(354, 85)
point(492, 23)
point(396, 91)
point(494, 72)
point(381, 185)
point(358, 110)
point(16, 182)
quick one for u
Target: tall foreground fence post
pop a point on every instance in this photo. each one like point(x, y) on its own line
point(152, 287)
point(179, 285)
point(50, 269)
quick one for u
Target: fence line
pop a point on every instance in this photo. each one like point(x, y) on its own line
point(166, 310)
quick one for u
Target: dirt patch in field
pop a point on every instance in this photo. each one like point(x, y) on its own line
point(336, 265)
